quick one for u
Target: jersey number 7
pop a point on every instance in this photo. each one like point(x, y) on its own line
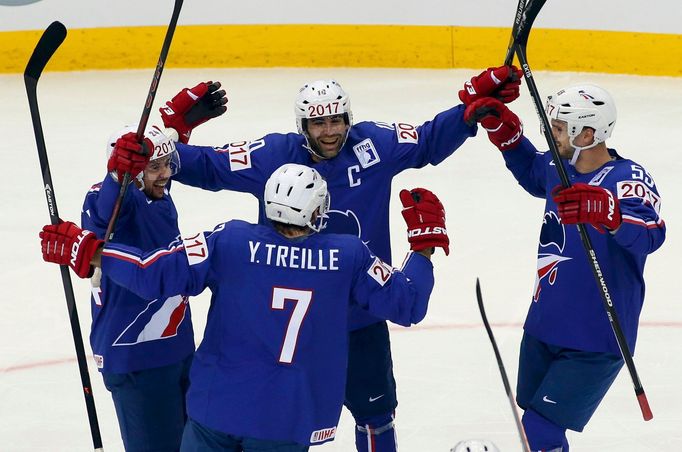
point(302, 299)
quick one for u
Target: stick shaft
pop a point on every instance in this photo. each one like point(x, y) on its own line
point(52, 38)
point(503, 372)
point(146, 111)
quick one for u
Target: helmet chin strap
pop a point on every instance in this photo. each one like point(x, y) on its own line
point(579, 149)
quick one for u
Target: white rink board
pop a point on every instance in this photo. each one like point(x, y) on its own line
point(448, 382)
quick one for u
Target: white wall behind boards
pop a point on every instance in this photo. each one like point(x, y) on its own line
point(661, 16)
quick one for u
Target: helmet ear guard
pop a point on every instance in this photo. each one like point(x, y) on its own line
point(320, 99)
point(297, 195)
point(583, 106)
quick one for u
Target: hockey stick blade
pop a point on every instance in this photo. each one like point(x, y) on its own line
point(48, 44)
point(50, 41)
point(532, 9)
point(530, 13)
point(503, 372)
point(526, 13)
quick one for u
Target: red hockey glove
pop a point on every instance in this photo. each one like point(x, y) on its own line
point(67, 244)
point(192, 107)
point(584, 203)
point(503, 126)
point(425, 218)
point(502, 83)
point(129, 156)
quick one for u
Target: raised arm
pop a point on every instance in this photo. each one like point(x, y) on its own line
point(402, 296)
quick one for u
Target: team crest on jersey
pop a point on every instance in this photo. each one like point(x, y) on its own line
point(366, 153)
point(159, 320)
point(552, 238)
point(343, 222)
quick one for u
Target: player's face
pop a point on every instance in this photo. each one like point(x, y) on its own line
point(156, 177)
point(563, 142)
point(326, 135)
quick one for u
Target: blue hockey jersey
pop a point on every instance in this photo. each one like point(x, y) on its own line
point(359, 179)
point(130, 333)
point(566, 308)
point(272, 363)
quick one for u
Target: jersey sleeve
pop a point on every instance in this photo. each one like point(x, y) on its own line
point(241, 166)
point(99, 205)
point(642, 230)
point(529, 167)
point(183, 267)
point(399, 296)
point(429, 143)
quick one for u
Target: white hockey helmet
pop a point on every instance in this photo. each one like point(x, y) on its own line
point(164, 145)
point(319, 99)
point(294, 194)
point(583, 106)
point(475, 445)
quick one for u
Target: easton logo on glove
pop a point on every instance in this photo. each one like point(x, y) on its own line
point(76, 246)
point(67, 244)
point(425, 217)
point(426, 231)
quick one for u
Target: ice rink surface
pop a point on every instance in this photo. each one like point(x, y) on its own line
point(449, 386)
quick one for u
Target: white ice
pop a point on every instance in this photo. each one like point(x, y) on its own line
point(449, 384)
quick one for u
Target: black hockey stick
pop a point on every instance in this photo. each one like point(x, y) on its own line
point(500, 364)
point(519, 25)
point(145, 113)
point(52, 38)
point(530, 13)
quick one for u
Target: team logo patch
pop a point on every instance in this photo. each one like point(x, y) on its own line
point(380, 271)
point(406, 133)
point(552, 238)
point(634, 189)
point(196, 249)
point(325, 434)
point(366, 153)
point(340, 222)
point(240, 153)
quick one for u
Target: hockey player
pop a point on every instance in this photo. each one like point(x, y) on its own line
point(142, 346)
point(569, 356)
point(359, 162)
point(270, 371)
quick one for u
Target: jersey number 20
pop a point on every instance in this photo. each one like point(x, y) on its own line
point(302, 299)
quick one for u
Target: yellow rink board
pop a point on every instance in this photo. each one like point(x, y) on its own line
point(394, 46)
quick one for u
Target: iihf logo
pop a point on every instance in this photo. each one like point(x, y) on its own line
point(553, 237)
